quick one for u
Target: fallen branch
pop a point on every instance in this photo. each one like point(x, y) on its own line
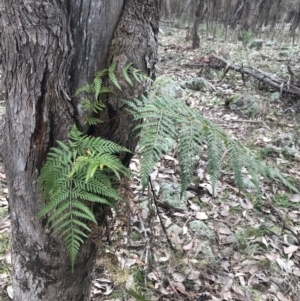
point(279, 84)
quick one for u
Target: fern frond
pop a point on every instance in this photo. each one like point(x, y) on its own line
point(139, 76)
point(215, 152)
point(235, 155)
point(92, 120)
point(191, 137)
point(75, 173)
point(97, 85)
point(112, 76)
point(106, 90)
point(84, 89)
point(81, 142)
point(101, 73)
point(157, 128)
point(125, 74)
point(164, 117)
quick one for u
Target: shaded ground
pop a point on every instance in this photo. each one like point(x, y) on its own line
point(234, 246)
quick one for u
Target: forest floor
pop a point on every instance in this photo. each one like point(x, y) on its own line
point(231, 246)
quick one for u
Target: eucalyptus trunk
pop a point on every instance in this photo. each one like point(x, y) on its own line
point(49, 49)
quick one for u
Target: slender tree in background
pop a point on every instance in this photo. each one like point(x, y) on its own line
point(49, 49)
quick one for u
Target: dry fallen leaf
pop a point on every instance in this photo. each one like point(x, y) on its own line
point(10, 292)
point(178, 277)
point(295, 198)
point(188, 246)
point(208, 187)
point(224, 230)
point(201, 216)
point(164, 259)
point(290, 249)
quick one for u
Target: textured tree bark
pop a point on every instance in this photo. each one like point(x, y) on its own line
point(50, 48)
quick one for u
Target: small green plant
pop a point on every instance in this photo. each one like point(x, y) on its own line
point(264, 152)
point(245, 240)
point(245, 36)
point(135, 236)
point(91, 102)
point(283, 201)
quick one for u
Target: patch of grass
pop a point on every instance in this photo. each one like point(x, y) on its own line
point(135, 236)
point(4, 243)
point(245, 240)
point(220, 31)
point(283, 201)
point(245, 36)
point(215, 101)
point(236, 210)
point(202, 204)
point(116, 294)
point(264, 153)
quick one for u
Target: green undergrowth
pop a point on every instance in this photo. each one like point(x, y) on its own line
point(85, 170)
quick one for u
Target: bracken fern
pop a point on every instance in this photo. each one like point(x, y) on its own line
point(75, 174)
point(83, 170)
point(166, 117)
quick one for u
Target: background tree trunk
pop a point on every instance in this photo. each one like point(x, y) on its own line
point(198, 6)
point(50, 48)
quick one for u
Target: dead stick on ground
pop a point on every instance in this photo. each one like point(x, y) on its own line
point(260, 121)
point(279, 84)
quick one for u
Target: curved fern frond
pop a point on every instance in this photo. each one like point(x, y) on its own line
point(157, 128)
point(165, 117)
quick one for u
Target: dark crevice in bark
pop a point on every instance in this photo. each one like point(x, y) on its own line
point(38, 134)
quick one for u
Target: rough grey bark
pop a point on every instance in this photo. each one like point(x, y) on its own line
point(50, 47)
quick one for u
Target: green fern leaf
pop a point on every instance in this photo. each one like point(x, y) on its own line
point(191, 137)
point(235, 154)
point(80, 171)
point(125, 74)
point(101, 73)
point(84, 89)
point(92, 120)
point(97, 84)
point(215, 151)
point(112, 76)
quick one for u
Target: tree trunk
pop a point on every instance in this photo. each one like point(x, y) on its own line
point(198, 8)
point(50, 48)
point(295, 23)
point(238, 11)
